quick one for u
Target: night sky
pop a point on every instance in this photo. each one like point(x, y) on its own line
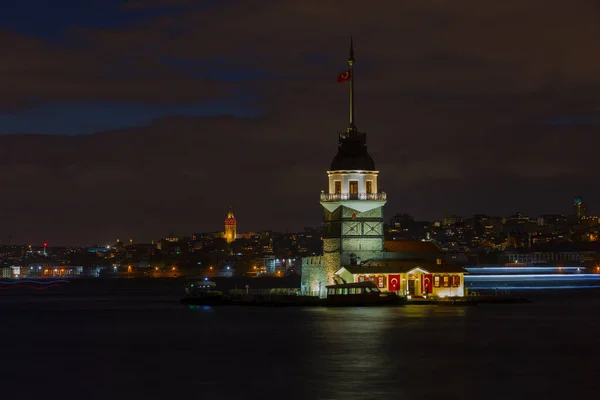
point(144, 118)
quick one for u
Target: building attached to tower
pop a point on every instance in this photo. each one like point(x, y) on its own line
point(230, 227)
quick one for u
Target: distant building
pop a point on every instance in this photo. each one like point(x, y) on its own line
point(172, 239)
point(7, 272)
point(579, 208)
point(534, 258)
point(230, 227)
point(452, 220)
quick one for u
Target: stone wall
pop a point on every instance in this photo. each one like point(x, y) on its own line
point(319, 271)
point(312, 273)
point(374, 213)
point(363, 248)
point(331, 258)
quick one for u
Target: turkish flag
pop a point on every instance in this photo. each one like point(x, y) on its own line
point(426, 283)
point(393, 283)
point(344, 76)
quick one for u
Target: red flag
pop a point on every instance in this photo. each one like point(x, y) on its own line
point(426, 282)
point(344, 76)
point(393, 283)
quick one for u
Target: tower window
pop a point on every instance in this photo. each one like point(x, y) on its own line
point(337, 187)
point(369, 188)
point(354, 190)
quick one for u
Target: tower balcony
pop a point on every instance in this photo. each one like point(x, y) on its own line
point(335, 197)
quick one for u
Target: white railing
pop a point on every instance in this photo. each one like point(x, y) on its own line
point(353, 196)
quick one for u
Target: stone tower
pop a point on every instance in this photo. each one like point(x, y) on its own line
point(230, 227)
point(352, 206)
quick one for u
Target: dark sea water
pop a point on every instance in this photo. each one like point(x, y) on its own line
point(139, 343)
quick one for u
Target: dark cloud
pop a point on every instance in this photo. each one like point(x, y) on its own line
point(458, 100)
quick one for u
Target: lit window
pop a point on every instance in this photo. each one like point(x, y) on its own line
point(353, 190)
point(455, 280)
point(337, 187)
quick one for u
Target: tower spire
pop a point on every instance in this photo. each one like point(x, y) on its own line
point(352, 126)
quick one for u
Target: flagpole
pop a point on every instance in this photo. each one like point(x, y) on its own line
point(351, 63)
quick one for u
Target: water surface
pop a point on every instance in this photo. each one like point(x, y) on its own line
point(140, 345)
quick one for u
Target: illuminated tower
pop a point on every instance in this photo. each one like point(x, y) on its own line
point(230, 226)
point(352, 206)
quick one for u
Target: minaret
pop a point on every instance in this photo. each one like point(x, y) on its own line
point(353, 205)
point(230, 227)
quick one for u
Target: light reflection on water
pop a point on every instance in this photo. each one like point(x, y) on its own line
point(142, 348)
point(374, 350)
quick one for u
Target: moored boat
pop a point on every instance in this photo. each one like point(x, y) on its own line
point(360, 294)
point(201, 291)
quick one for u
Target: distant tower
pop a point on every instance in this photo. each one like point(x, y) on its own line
point(353, 205)
point(230, 227)
point(579, 208)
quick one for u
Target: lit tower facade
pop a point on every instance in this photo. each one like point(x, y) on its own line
point(352, 206)
point(230, 227)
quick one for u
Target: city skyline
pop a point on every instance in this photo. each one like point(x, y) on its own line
point(103, 135)
point(578, 209)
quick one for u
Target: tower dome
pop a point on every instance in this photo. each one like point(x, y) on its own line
point(352, 153)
